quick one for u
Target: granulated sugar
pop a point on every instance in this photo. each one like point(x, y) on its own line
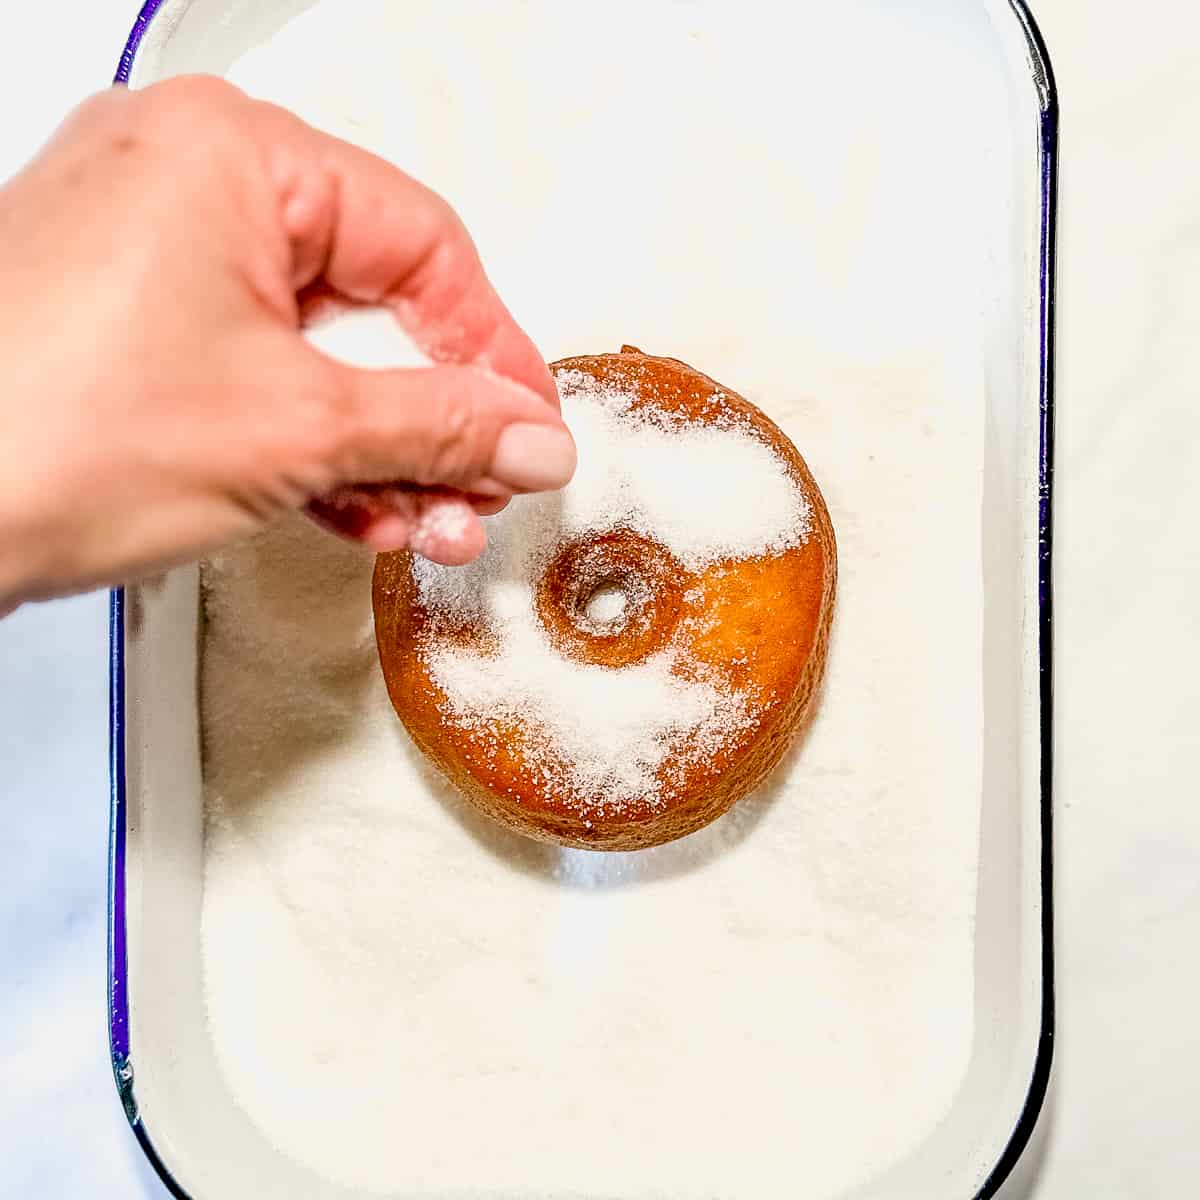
point(614, 728)
point(440, 523)
point(606, 607)
point(412, 1001)
point(705, 492)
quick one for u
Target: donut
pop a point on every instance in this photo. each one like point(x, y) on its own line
point(633, 655)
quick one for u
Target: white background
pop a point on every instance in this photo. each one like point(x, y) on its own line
point(1124, 1115)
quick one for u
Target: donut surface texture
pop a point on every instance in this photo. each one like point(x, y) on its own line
point(631, 656)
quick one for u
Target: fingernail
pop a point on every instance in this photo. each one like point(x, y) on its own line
point(534, 458)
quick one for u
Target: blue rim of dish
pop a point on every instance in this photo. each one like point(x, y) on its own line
point(118, 957)
point(118, 977)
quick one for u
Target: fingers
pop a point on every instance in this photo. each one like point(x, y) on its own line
point(361, 230)
point(444, 426)
point(443, 528)
point(489, 507)
point(376, 236)
point(317, 217)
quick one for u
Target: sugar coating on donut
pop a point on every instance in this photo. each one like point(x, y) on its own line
point(607, 733)
point(707, 492)
point(604, 737)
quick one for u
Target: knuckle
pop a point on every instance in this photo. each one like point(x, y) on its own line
point(336, 420)
point(110, 117)
point(434, 212)
point(448, 246)
point(445, 219)
point(361, 437)
point(182, 97)
point(453, 435)
point(193, 112)
point(316, 425)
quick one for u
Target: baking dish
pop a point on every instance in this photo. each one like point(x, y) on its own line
point(170, 1084)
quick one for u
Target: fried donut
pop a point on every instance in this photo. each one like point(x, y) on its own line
point(631, 656)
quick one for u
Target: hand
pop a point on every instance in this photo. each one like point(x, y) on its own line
point(156, 395)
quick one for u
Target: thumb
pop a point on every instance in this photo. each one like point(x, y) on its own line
point(415, 455)
point(458, 427)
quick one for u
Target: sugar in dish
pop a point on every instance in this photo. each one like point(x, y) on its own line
point(407, 999)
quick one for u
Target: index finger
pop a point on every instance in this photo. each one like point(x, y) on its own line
point(368, 231)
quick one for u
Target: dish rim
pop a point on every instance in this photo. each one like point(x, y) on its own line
point(1042, 74)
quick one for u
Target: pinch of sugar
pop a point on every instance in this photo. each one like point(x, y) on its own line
point(443, 523)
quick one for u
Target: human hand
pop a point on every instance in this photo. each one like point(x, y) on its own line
point(157, 395)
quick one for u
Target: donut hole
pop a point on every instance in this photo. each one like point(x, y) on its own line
point(609, 603)
point(605, 606)
point(610, 598)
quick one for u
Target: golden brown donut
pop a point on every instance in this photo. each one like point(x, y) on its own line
point(755, 629)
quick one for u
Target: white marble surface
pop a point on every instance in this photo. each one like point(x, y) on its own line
point(62, 1132)
point(1124, 1115)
